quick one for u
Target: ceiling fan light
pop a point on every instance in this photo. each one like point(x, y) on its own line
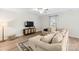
point(40, 10)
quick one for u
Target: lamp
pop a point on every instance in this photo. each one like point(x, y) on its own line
point(3, 25)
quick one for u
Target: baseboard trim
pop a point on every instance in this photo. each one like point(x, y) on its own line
point(28, 35)
point(73, 37)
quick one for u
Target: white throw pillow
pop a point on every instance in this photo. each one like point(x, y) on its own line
point(63, 32)
point(57, 38)
point(47, 38)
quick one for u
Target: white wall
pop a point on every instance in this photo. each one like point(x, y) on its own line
point(16, 20)
point(6, 16)
point(44, 21)
point(69, 20)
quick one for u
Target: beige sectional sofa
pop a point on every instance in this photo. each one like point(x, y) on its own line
point(56, 41)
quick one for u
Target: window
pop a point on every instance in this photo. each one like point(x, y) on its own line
point(52, 21)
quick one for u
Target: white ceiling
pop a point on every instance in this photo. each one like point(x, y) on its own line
point(9, 13)
point(17, 9)
point(49, 11)
point(56, 10)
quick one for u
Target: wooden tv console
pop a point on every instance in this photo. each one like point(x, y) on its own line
point(29, 30)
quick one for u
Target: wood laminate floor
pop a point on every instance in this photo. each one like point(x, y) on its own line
point(73, 44)
point(11, 45)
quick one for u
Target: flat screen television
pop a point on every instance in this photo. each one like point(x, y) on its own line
point(29, 24)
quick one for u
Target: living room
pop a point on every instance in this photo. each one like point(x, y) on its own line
point(39, 29)
point(13, 20)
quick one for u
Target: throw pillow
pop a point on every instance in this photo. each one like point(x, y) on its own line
point(63, 32)
point(47, 38)
point(57, 38)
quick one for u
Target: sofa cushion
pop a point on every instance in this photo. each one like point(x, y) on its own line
point(57, 38)
point(63, 32)
point(47, 38)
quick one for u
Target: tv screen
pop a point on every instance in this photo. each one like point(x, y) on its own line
point(29, 24)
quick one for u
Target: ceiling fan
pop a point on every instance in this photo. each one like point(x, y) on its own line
point(41, 10)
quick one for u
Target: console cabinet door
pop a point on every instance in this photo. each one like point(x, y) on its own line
point(29, 31)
